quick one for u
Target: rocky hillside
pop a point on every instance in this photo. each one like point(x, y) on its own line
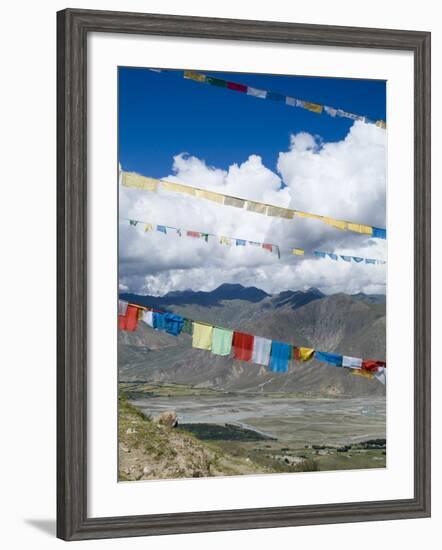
point(351, 325)
point(150, 450)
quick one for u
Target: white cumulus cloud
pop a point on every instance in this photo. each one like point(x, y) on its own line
point(345, 179)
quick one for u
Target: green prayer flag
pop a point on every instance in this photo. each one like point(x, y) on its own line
point(187, 327)
point(222, 341)
point(216, 81)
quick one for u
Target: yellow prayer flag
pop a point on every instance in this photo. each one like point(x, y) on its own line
point(148, 227)
point(209, 195)
point(339, 224)
point(381, 124)
point(233, 201)
point(313, 107)
point(363, 373)
point(258, 207)
point(202, 336)
point(305, 353)
point(195, 76)
point(177, 187)
point(298, 251)
point(224, 240)
point(360, 228)
point(279, 212)
point(130, 179)
point(300, 214)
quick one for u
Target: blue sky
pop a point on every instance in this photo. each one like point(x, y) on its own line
point(163, 114)
point(243, 146)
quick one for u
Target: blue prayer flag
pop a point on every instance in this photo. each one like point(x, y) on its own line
point(159, 321)
point(240, 242)
point(173, 323)
point(162, 228)
point(331, 358)
point(379, 233)
point(346, 258)
point(275, 96)
point(279, 357)
point(319, 254)
point(357, 259)
point(333, 256)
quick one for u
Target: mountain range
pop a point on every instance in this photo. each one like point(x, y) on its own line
point(347, 324)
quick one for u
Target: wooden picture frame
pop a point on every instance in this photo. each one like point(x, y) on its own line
point(73, 27)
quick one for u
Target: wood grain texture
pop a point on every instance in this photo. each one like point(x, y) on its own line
point(72, 29)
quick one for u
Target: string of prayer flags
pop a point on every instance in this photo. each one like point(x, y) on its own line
point(246, 347)
point(252, 206)
point(275, 96)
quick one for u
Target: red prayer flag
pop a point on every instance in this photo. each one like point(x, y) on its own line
point(267, 247)
point(193, 234)
point(242, 346)
point(237, 87)
point(296, 353)
point(372, 365)
point(130, 320)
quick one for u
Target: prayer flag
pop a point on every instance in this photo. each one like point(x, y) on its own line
point(303, 354)
point(148, 318)
point(159, 320)
point(195, 234)
point(130, 179)
point(360, 228)
point(162, 229)
point(351, 362)
point(257, 207)
point(237, 87)
point(187, 327)
point(209, 195)
point(216, 81)
point(173, 323)
point(290, 101)
point(333, 256)
point(319, 254)
point(331, 358)
point(339, 224)
point(242, 346)
point(379, 233)
point(129, 321)
point(261, 350)
point(372, 365)
point(122, 307)
point(195, 76)
point(381, 124)
point(357, 259)
point(240, 242)
point(222, 341)
point(267, 246)
point(225, 240)
point(202, 336)
point(148, 227)
point(279, 357)
point(381, 375)
point(255, 92)
point(330, 111)
point(298, 251)
point(313, 107)
point(233, 201)
point(279, 212)
point(275, 96)
point(346, 258)
point(363, 373)
point(177, 187)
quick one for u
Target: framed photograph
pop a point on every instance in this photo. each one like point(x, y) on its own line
point(243, 256)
